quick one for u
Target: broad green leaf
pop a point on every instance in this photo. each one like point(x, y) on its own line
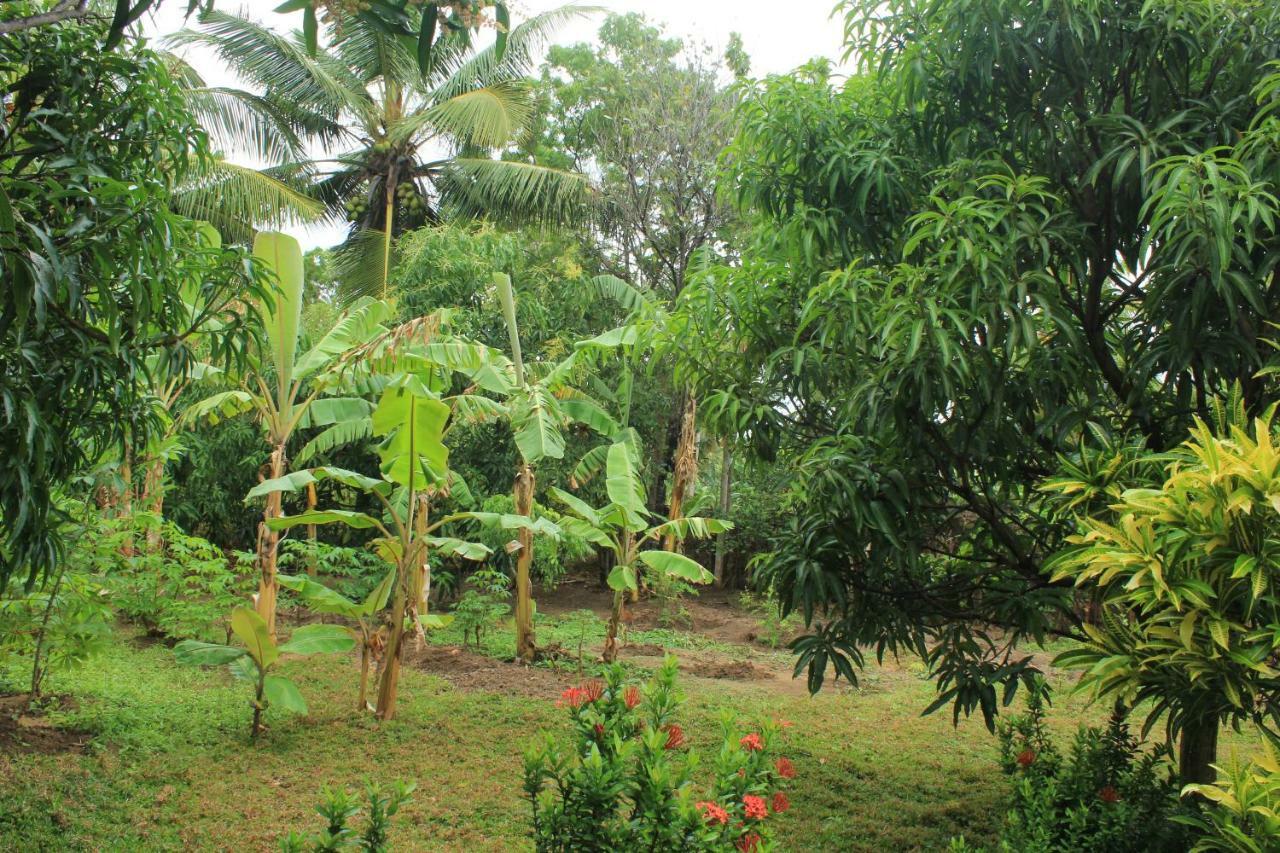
point(205, 654)
point(434, 621)
point(290, 482)
point(448, 546)
point(357, 520)
point(252, 631)
point(219, 407)
point(474, 409)
point(509, 521)
point(588, 412)
point(623, 336)
point(283, 694)
point(319, 639)
point(319, 597)
point(577, 505)
point(352, 479)
point(535, 418)
point(379, 595)
point(623, 485)
point(327, 411)
point(412, 423)
point(676, 565)
point(282, 314)
point(576, 527)
point(361, 323)
point(622, 578)
point(691, 527)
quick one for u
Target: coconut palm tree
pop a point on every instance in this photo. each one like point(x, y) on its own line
point(413, 147)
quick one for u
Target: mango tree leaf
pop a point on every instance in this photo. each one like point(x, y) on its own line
point(622, 578)
point(319, 597)
point(675, 565)
point(319, 639)
point(205, 654)
point(252, 631)
point(283, 693)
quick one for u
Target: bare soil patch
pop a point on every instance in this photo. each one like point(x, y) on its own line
point(467, 670)
point(23, 733)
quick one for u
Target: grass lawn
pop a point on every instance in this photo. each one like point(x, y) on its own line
point(168, 767)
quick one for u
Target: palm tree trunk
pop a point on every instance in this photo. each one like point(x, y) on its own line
point(726, 485)
point(269, 546)
point(1197, 751)
point(526, 646)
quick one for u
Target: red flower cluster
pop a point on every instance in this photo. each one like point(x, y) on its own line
point(599, 729)
point(712, 813)
point(1109, 795)
point(785, 768)
point(675, 735)
point(780, 803)
point(576, 697)
point(632, 696)
point(751, 742)
point(1026, 758)
point(749, 842)
point(754, 807)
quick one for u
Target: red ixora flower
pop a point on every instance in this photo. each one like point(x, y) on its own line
point(754, 807)
point(1026, 758)
point(780, 803)
point(593, 690)
point(675, 735)
point(712, 813)
point(599, 729)
point(749, 842)
point(785, 768)
point(574, 697)
point(632, 696)
point(1109, 795)
point(751, 742)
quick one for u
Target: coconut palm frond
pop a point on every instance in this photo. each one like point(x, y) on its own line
point(358, 266)
point(488, 117)
point(240, 122)
point(235, 199)
point(515, 191)
point(279, 64)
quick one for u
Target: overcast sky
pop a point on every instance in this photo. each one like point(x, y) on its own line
point(776, 40)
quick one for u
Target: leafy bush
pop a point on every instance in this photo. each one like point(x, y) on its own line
point(1106, 793)
point(183, 589)
point(55, 629)
point(354, 571)
point(627, 783)
point(1244, 811)
point(339, 807)
point(773, 625)
point(481, 606)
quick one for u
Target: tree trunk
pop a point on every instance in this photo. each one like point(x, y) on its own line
point(726, 484)
point(526, 646)
point(684, 466)
point(390, 681)
point(421, 572)
point(312, 559)
point(363, 702)
point(1197, 751)
point(610, 653)
point(269, 546)
point(153, 499)
point(126, 498)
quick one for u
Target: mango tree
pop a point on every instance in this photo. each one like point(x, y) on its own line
point(624, 526)
point(254, 662)
point(283, 388)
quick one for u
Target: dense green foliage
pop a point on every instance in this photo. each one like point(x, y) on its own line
point(1021, 229)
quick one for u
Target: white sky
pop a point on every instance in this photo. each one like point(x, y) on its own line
point(777, 37)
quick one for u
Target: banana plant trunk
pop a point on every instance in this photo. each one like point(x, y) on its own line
point(269, 546)
point(685, 468)
point(406, 574)
point(1197, 751)
point(421, 573)
point(363, 702)
point(312, 557)
point(726, 497)
point(627, 557)
point(526, 646)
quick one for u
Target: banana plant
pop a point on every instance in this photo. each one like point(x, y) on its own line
point(624, 526)
point(284, 389)
point(321, 599)
point(537, 418)
point(410, 418)
point(260, 654)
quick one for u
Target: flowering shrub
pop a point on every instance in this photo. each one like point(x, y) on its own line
point(627, 783)
point(1107, 793)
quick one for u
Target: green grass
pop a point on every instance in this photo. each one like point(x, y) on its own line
point(171, 768)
